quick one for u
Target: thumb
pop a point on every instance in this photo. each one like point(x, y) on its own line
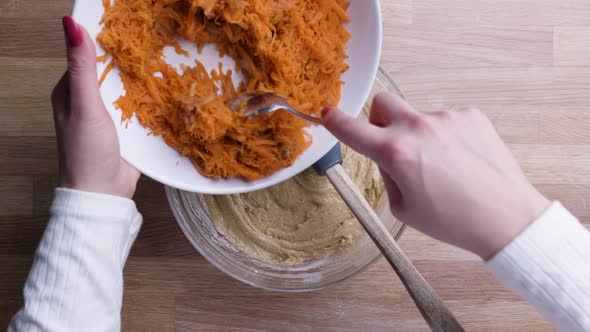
point(83, 79)
point(360, 135)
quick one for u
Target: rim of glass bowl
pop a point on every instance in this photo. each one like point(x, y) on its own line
point(246, 273)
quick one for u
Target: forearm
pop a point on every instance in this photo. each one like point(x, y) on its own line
point(76, 281)
point(549, 265)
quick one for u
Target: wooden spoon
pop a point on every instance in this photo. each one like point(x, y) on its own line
point(431, 306)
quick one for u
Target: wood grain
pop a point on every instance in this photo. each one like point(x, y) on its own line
point(571, 45)
point(525, 63)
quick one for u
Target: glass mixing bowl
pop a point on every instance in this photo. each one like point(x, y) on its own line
point(194, 220)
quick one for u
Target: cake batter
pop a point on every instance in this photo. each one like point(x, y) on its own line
point(298, 220)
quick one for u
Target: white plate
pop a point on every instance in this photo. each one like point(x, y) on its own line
point(154, 158)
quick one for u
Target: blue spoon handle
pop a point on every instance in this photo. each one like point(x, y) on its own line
point(329, 160)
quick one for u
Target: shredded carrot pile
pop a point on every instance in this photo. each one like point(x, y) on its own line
point(294, 48)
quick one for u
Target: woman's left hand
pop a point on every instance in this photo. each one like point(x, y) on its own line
point(89, 157)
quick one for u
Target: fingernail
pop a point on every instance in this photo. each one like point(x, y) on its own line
point(72, 32)
point(325, 111)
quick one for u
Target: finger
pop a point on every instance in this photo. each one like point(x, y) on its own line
point(388, 108)
point(60, 99)
point(134, 174)
point(445, 110)
point(83, 79)
point(360, 135)
point(393, 192)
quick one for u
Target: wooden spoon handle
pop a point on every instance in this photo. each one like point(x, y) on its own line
point(431, 306)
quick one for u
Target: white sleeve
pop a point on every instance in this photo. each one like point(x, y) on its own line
point(76, 282)
point(549, 265)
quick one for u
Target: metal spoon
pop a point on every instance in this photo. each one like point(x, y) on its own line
point(265, 103)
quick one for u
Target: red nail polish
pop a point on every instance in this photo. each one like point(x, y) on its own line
point(325, 111)
point(72, 31)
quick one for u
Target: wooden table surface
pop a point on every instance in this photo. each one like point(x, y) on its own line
point(526, 63)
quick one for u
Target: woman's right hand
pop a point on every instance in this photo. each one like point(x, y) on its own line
point(448, 174)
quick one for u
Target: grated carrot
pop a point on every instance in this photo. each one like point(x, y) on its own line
point(294, 48)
